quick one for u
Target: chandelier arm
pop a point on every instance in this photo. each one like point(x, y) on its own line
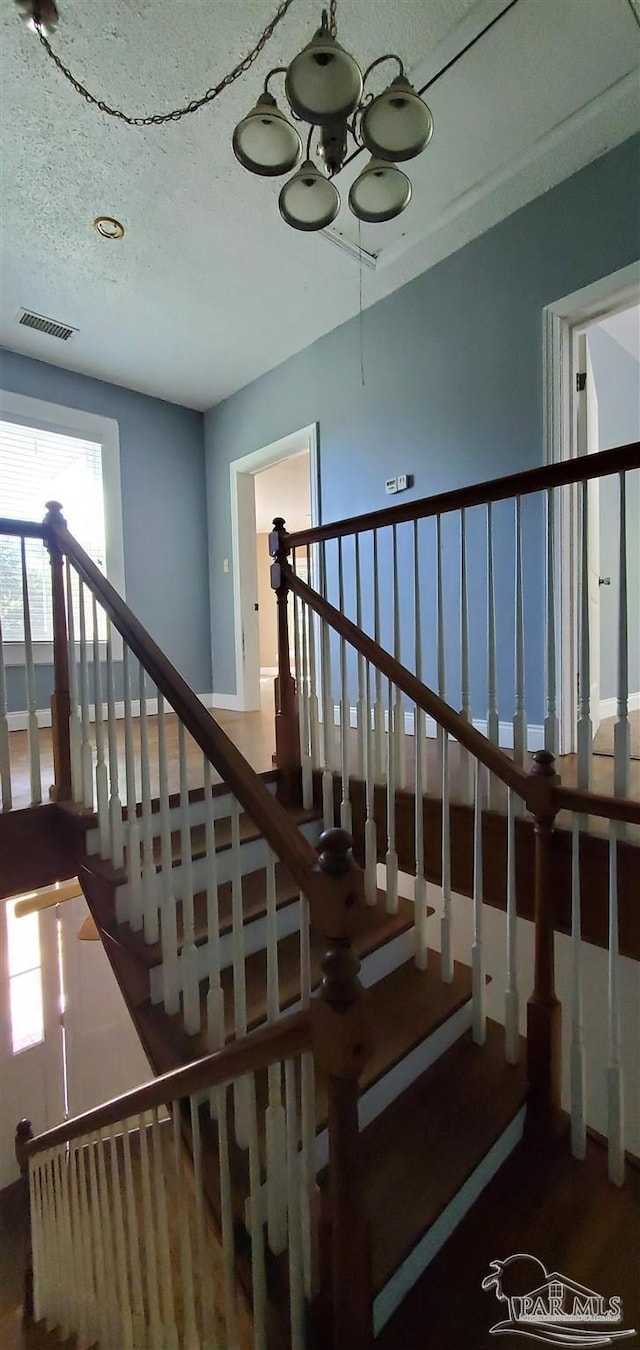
point(311, 131)
point(389, 56)
point(159, 119)
point(277, 70)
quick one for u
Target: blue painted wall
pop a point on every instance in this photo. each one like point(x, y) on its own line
point(617, 379)
point(452, 395)
point(164, 514)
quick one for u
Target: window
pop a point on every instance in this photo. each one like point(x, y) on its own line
point(25, 979)
point(38, 466)
point(48, 452)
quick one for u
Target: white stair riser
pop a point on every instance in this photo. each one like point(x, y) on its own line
point(404, 1278)
point(255, 938)
point(253, 856)
point(391, 1086)
point(221, 809)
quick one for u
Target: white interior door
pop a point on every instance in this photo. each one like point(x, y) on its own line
point(588, 444)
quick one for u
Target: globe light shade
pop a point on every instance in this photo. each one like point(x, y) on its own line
point(380, 192)
point(309, 201)
point(265, 142)
point(397, 125)
point(323, 83)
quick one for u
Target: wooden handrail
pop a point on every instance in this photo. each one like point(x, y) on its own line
point(596, 804)
point(266, 812)
point(479, 746)
point(255, 1051)
point(23, 529)
point(567, 471)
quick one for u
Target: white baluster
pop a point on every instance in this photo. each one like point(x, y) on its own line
point(89, 1257)
point(585, 728)
point(215, 994)
point(168, 909)
point(166, 1279)
point(102, 1291)
point(577, 1056)
point(115, 804)
point(293, 1193)
point(345, 718)
point(102, 779)
point(32, 718)
point(398, 710)
point(133, 1245)
point(551, 728)
point(440, 733)
point(511, 998)
point(75, 727)
point(391, 857)
point(5, 758)
point(66, 1317)
point(370, 827)
point(379, 760)
point(420, 884)
point(327, 730)
point(82, 1323)
point(149, 875)
point(37, 1248)
point(108, 1239)
point(87, 748)
point(131, 911)
point(186, 1259)
point(493, 724)
point(314, 717)
point(477, 957)
point(519, 718)
point(361, 711)
point(615, 1114)
point(258, 1273)
point(190, 989)
point(226, 1215)
point(465, 693)
point(275, 1123)
point(302, 686)
point(621, 733)
point(124, 1299)
point(205, 1284)
point(446, 923)
point(149, 1230)
point(308, 1168)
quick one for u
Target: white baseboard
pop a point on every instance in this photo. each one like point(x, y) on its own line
point(609, 706)
point(18, 721)
point(228, 702)
point(535, 733)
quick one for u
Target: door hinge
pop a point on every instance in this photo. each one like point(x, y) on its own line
point(581, 380)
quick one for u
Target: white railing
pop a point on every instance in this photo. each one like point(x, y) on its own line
point(134, 1246)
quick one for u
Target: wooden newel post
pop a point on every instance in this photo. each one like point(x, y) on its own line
point(62, 790)
point(24, 1133)
point(341, 1041)
point(544, 1012)
point(287, 727)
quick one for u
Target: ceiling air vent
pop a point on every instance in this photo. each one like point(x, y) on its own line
point(43, 325)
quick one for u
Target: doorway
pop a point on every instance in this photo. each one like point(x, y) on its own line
point(279, 479)
point(591, 351)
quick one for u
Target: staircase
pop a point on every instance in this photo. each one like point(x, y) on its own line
point(330, 1096)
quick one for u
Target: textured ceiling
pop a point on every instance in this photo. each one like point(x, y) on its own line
point(209, 288)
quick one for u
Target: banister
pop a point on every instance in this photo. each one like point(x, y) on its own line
point(596, 804)
point(601, 465)
point(257, 1050)
point(23, 529)
point(280, 831)
point(479, 746)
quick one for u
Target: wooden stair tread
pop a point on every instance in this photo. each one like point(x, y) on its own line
point(563, 1211)
point(450, 1116)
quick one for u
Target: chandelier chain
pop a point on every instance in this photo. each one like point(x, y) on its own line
point(333, 18)
point(158, 119)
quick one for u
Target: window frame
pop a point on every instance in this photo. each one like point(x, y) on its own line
point(26, 411)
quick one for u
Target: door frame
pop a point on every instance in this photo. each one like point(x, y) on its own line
point(245, 568)
point(561, 323)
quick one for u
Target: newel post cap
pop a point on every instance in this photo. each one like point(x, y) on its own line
point(24, 1134)
point(541, 782)
point(54, 514)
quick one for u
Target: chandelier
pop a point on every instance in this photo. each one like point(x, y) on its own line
point(325, 88)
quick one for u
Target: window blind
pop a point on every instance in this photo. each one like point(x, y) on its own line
point(35, 467)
